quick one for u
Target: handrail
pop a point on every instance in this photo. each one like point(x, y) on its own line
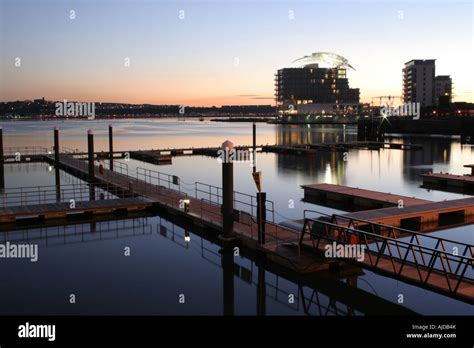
point(336, 233)
point(378, 236)
point(399, 229)
point(25, 150)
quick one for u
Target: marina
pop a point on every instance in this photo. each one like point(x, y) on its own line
point(113, 191)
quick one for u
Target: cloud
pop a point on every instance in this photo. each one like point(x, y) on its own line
point(255, 96)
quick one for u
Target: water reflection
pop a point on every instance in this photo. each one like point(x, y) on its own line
point(241, 284)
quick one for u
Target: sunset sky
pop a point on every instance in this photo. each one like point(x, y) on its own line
point(221, 52)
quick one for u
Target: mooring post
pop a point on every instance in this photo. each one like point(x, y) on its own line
point(90, 154)
point(56, 164)
point(111, 148)
point(261, 216)
point(227, 189)
point(90, 157)
point(254, 142)
point(228, 279)
point(2, 173)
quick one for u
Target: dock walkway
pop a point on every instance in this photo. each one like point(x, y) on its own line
point(355, 198)
point(63, 209)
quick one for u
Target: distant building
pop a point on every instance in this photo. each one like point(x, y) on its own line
point(312, 89)
point(443, 88)
point(419, 82)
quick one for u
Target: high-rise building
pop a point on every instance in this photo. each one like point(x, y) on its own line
point(312, 89)
point(419, 82)
point(443, 88)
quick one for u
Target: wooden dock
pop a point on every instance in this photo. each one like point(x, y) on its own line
point(311, 149)
point(282, 243)
point(449, 182)
point(164, 156)
point(153, 157)
point(63, 209)
point(355, 199)
point(422, 217)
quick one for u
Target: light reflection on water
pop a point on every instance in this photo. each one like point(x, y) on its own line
point(150, 287)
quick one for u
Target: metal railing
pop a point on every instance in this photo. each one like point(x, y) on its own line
point(33, 195)
point(25, 150)
point(119, 167)
point(401, 253)
point(68, 150)
point(154, 177)
point(398, 232)
point(207, 198)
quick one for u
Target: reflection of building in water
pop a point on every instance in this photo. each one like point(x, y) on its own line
point(325, 166)
point(313, 134)
point(435, 150)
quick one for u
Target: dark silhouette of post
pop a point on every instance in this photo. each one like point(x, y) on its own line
point(111, 148)
point(261, 291)
point(90, 154)
point(90, 157)
point(2, 173)
point(254, 142)
point(56, 164)
point(227, 189)
point(228, 278)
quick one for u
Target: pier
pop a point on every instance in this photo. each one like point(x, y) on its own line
point(355, 199)
point(390, 209)
point(420, 259)
point(428, 216)
point(449, 182)
point(164, 156)
point(284, 246)
point(248, 221)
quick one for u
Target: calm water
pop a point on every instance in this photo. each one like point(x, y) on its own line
point(92, 265)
